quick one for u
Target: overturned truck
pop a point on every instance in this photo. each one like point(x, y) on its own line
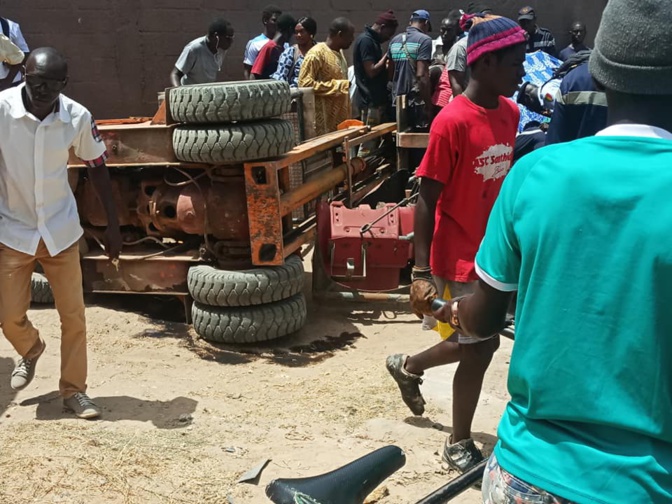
point(217, 195)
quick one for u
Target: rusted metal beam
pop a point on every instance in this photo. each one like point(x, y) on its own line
point(161, 114)
point(376, 132)
point(264, 215)
point(302, 239)
point(363, 297)
point(312, 189)
point(364, 187)
point(135, 275)
point(268, 200)
point(285, 187)
point(136, 144)
point(315, 146)
point(263, 191)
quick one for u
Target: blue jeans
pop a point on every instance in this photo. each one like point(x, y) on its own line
point(501, 487)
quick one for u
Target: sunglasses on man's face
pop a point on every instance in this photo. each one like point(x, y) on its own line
point(37, 82)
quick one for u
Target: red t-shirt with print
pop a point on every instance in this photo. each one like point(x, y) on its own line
point(470, 151)
point(267, 60)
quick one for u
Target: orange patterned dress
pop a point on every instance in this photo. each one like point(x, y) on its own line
point(326, 71)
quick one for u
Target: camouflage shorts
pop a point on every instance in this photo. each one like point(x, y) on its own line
point(501, 487)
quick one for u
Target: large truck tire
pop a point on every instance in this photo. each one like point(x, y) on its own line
point(40, 290)
point(225, 102)
point(257, 286)
point(234, 143)
point(253, 324)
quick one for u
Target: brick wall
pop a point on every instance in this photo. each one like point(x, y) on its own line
point(121, 52)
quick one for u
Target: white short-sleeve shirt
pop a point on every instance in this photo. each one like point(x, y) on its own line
point(16, 37)
point(253, 47)
point(36, 201)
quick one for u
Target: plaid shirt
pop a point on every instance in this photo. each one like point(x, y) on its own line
point(542, 40)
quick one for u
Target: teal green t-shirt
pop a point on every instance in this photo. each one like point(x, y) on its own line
point(583, 231)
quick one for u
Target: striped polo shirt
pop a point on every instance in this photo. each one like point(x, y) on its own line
point(406, 49)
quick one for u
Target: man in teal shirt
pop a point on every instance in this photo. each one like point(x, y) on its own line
point(583, 232)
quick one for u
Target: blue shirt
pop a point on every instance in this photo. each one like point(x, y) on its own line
point(580, 109)
point(569, 51)
point(582, 231)
point(289, 66)
point(406, 49)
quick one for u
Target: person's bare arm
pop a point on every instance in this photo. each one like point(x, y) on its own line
point(423, 289)
point(374, 69)
point(457, 81)
point(391, 67)
point(481, 315)
point(176, 77)
point(435, 72)
point(247, 72)
point(425, 84)
point(100, 178)
point(423, 224)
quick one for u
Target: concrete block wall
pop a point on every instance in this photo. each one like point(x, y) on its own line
point(121, 52)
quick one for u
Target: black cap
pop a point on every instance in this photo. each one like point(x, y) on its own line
point(477, 7)
point(527, 13)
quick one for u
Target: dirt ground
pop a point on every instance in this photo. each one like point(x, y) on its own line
point(183, 419)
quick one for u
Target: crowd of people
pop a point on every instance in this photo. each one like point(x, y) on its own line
point(565, 237)
point(541, 231)
point(427, 73)
point(574, 238)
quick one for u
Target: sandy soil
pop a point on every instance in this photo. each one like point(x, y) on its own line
point(183, 420)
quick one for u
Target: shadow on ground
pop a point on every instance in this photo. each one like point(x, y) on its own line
point(284, 352)
point(375, 314)
point(487, 440)
point(332, 327)
point(173, 414)
point(7, 395)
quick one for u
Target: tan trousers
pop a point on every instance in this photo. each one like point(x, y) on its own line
point(65, 277)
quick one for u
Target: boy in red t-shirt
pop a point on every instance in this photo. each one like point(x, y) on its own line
point(470, 151)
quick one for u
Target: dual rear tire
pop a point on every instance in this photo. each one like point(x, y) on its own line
point(249, 306)
point(231, 122)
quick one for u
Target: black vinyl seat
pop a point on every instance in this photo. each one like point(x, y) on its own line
point(348, 485)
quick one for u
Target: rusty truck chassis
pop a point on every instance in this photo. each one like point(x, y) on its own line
point(175, 215)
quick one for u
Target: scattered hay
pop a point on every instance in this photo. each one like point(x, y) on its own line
point(54, 461)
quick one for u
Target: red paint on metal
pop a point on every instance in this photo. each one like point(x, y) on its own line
point(385, 254)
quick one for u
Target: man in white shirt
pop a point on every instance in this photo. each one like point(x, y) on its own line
point(10, 75)
point(39, 220)
point(201, 60)
point(269, 17)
